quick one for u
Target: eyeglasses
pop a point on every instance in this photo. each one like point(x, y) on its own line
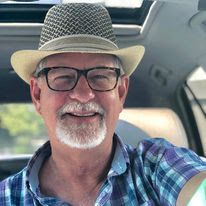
point(65, 78)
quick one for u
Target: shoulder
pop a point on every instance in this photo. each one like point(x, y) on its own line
point(159, 149)
point(167, 167)
point(12, 189)
point(166, 157)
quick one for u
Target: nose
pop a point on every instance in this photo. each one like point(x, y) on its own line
point(82, 92)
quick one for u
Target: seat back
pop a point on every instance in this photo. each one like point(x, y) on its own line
point(151, 122)
point(129, 133)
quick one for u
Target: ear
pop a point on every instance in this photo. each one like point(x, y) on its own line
point(123, 89)
point(35, 92)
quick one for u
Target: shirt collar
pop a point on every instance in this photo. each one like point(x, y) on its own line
point(121, 158)
point(34, 165)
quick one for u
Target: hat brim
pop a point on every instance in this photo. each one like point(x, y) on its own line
point(25, 62)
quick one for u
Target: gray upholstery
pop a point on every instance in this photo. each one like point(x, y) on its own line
point(129, 133)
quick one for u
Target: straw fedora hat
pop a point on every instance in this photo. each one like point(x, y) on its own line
point(76, 27)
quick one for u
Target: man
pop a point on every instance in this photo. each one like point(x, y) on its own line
point(78, 81)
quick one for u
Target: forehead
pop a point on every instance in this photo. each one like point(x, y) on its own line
point(80, 60)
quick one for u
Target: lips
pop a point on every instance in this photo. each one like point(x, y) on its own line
point(83, 115)
point(79, 111)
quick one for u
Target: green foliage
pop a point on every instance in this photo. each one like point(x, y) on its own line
point(20, 128)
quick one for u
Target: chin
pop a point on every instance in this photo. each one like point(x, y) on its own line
point(83, 137)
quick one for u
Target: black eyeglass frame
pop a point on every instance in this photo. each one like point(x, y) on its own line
point(84, 72)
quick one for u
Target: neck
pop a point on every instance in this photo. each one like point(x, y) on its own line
point(81, 162)
point(75, 169)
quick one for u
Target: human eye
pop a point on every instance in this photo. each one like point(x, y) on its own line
point(64, 81)
point(67, 78)
point(100, 75)
point(61, 79)
point(61, 75)
point(102, 79)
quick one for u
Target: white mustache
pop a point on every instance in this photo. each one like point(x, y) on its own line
point(80, 107)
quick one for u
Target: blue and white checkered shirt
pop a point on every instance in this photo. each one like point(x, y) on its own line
point(151, 174)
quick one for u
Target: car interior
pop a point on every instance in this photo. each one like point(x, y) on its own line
point(166, 96)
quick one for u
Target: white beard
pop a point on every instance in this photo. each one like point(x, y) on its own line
point(85, 135)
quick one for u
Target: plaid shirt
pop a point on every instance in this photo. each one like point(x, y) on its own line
point(151, 174)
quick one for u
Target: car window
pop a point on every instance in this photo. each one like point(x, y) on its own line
point(195, 90)
point(21, 129)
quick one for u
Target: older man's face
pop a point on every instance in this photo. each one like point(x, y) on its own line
point(82, 117)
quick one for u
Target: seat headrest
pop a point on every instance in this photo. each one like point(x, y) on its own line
point(129, 133)
point(161, 122)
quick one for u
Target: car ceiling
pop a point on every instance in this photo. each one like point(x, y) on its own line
point(174, 48)
point(174, 35)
